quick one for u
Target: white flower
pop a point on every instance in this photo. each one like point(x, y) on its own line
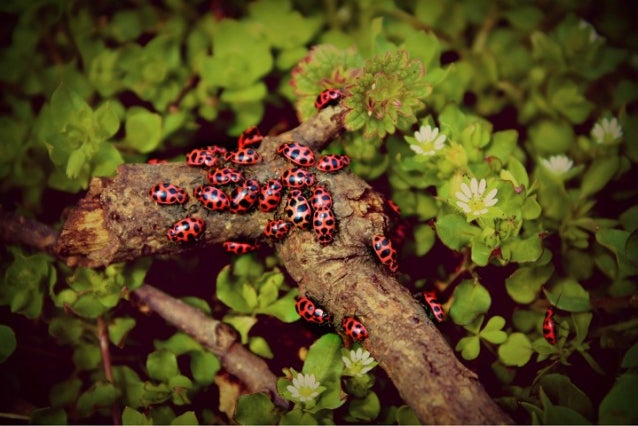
point(607, 130)
point(593, 35)
point(429, 141)
point(304, 388)
point(471, 199)
point(557, 164)
point(358, 363)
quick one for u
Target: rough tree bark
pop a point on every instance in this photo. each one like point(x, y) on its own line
point(117, 221)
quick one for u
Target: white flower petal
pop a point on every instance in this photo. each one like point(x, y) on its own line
point(462, 197)
point(489, 199)
point(466, 191)
point(474, 187)
point(466, 208)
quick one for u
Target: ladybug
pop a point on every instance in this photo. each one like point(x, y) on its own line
point(330, 163)
point(186, 230)
point(385, 252)
point(549, 326)
point(328, 97)
point(298, 209)
point(320, 198)
point(324, 223)
point(212, 198)
point(155, 161)
point(298, 178)
point(298, 154)
point(217, 150)
point(243, 156)
point(237, 247)
point(354, 328)
point(277, 229)
point(243, 198)
point(311, 312)
point(270, 195)
point(224, 176)
point(167, 193)
point(201, 157)
point(249, 137)
point(433, 308)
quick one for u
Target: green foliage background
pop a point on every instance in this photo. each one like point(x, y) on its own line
point(88, 86)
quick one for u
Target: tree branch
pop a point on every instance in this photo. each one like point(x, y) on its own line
point(218, 338)
point(117, 221)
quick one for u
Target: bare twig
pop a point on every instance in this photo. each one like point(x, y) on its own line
point(217, 337)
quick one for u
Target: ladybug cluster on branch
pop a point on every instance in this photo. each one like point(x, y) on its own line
point(308, 204)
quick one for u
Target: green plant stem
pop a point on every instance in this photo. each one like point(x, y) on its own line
point(103, 337)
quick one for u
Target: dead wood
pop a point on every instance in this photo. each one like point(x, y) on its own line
point(117, 221)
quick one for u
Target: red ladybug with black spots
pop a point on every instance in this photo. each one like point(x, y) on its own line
point(309, 310)
point(277, 229)
point(298, 210)
point(298, 154)
point(328, 97)
point(354, 329)
point(186, 230)
point(270, 195)
point(244, 197)
point(331, 163)
point(237, 247)
point(382, 247)
point(167, 194)
point(250, 137)
point(298, 178)
point(212, 198)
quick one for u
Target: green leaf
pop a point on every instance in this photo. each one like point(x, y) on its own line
point(492, 332)
point(143, 130)
point(455, 232)
point(179, 344)
point(233, 294)
point(469, 346)
point(525, 283)
point(324, 358)
point(241, 323)
point(567, 98)
point(66, 392)
point(119, 329)
point(259, 346)
point(187, 418)
point(551, 137)
point(180, 387)
point(282, 308)
point(131, 416)
point(516, 351)
point(48, 416)
point(569, 295)
point(255, 409)
point(561, 390)
point(471, 299)
point(424, 238)
point(630, 360)
point(324, 361)
point(407, 416)
point(162, 365)
point(366, 409)
point(87, 357)
point(100, 396)
point(66, 329)
point(204, 366)
point(598, 174)
point(8, 339)
point(106, 116)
